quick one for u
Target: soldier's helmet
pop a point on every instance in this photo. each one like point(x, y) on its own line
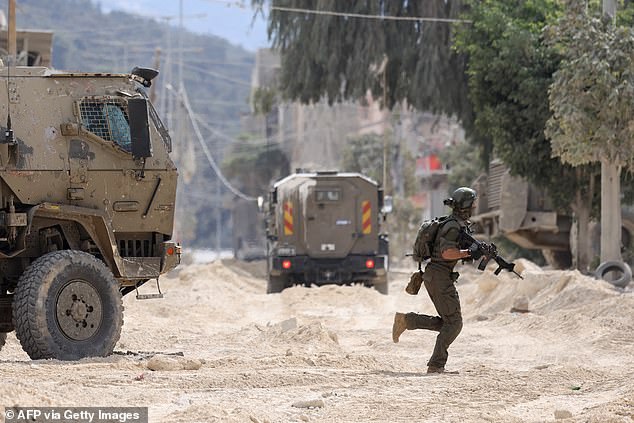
point(462, 198)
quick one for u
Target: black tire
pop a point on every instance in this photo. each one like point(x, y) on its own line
point(276, 284)
point(382, 288)
point(3, 339)
point(615, 266)
point(67, 306)
point(381, 285)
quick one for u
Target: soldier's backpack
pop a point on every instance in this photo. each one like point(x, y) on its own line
point(426, 237)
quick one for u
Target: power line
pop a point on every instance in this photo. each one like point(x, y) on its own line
point(217, 75)
point(208, 154)
point(366, 16)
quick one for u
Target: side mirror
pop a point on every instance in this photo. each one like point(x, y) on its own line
point(139, 128)
point(387, 205)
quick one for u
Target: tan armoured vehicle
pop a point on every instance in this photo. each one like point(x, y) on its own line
point(87, 198)
point(326, 228)
point(512, 207)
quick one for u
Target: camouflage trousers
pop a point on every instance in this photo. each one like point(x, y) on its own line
point(442, 291)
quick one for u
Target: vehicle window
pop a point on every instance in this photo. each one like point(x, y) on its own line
point(328, 195)
point(108, 119)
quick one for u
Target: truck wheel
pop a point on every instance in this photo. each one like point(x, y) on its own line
point(3, 339)
point(381, 285)
point(276, 284)
point(67, 306)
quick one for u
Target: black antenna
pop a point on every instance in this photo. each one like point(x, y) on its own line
point(9, 136)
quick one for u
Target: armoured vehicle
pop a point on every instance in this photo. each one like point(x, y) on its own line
point(87, 198)
point(512, 207)
point(326, 228)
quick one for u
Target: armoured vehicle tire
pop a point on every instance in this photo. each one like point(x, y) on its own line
point(67, 306)
point(3, 339)
point(615, 266)
point(382, 287)
point(276, 284)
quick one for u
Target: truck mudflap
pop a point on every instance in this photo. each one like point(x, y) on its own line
point(358, 268)
point(152, 267)
point(170, 256)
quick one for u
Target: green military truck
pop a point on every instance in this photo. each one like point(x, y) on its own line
point(326, 228)
point(87, 199)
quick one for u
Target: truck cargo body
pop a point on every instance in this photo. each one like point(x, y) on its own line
point(325, 228)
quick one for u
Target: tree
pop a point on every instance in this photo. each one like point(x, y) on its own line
point(592, 100)
point(510, 70)
point(340, 57)
point(461, 172)
point(255, 165)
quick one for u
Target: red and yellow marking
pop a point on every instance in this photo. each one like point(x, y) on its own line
point(366, 222)
point(288, 218)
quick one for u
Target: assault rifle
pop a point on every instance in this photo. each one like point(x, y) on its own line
point(487, 252)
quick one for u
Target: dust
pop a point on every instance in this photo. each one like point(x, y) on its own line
point(217, 348)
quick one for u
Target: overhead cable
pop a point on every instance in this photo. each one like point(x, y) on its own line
point(366, 16)
point(210, 158)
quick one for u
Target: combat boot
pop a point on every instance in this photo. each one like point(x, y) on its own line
point(400, 324)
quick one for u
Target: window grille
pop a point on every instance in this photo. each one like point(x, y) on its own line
point(108, 119)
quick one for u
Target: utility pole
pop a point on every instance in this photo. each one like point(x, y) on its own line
point(384, 69)
point(610, 189)
point(180, 44)
point(609, 8)
point(11, 38)
point(157, 65)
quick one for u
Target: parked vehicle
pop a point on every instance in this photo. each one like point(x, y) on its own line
point(87, 200)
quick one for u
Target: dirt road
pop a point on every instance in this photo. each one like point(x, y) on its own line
point(326, 354)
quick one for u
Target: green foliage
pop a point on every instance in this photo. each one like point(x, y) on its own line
point(364, 154)
point(341, 58)
point(510, 69)
point(592, 95)
point(463, 162)
point(263, 100)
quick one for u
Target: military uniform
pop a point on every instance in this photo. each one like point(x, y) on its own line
point(439, 279)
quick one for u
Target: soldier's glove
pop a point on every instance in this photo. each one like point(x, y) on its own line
point(415, 281)
point(475, 252)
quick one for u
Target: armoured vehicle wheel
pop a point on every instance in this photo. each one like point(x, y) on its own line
point(3, 339)
point(381, 287)
point(67, 306)
point(276, 284)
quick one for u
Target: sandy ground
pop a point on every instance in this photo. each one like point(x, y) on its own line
point(326, 354)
